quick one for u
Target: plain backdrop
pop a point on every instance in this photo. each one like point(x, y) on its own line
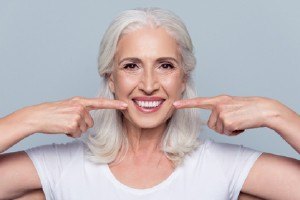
point(48, 52)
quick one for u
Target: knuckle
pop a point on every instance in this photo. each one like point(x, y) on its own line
point(76, 98)
point(70, 129)
point(91, 123)
point(79, 108)
point(226, 97)
point(218, 108)
point(230, 126)
point(67, 130)
point(73, 126)
point(210, 125)
point(223, 116)
point(77, 118)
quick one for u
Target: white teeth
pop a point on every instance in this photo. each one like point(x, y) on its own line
point(148, 104)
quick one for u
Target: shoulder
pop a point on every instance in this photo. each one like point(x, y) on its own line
point(220, 150)
point(227, 159)
point(51, 161)
point(223, 164)
point(61, 153)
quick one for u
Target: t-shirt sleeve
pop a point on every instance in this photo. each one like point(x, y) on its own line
point(236, 162)
point(50, 162)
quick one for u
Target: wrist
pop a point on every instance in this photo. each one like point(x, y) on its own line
point(281, 116)
point(22, 122)
point(13, 128)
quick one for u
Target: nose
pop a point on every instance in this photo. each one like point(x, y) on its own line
point(149, 83)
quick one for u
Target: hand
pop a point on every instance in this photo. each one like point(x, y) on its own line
point(232, 115)
point(69, 116)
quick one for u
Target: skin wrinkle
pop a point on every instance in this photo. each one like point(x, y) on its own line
point(148, 57)
point(147, 64)
point(133, 59)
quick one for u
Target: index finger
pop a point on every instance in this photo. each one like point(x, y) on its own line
point(199, 102)
point(98, 103)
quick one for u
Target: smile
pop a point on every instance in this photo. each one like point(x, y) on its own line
point(148, 104)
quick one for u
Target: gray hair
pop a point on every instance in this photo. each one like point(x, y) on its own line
point(181, 135)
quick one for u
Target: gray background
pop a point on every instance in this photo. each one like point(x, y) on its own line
point(48, 52)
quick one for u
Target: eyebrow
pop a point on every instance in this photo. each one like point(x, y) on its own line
point(137, 60)
point(168, 59)
point(132, 59)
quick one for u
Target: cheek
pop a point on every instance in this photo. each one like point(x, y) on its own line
point(124, 85)
point(173, 86)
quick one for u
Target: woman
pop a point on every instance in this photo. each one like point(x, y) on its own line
point(144, 143)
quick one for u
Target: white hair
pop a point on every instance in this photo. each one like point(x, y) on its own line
point(108, 136)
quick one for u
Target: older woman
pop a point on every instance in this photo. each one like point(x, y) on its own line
point(144, 143)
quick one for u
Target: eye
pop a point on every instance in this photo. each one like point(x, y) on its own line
point(167, 66)
point(130, 66)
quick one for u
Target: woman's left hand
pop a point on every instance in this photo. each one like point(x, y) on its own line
point(231, 115)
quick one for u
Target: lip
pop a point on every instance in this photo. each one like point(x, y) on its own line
point(145, 98)
point(147, 110)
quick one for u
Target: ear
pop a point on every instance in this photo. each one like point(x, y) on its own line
point(111, 83)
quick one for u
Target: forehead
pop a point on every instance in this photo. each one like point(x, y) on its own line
point(147, 42)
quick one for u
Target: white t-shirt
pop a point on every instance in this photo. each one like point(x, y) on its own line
point(215, 171)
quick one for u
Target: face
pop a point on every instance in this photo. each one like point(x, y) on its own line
point(148, 76)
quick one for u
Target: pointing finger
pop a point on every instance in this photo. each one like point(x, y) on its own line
point(199, 102)
point(98, 103)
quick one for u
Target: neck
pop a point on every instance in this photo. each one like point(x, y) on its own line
point(144, 140)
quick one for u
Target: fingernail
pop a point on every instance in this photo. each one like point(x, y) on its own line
point(176, 103)
point(124, 105)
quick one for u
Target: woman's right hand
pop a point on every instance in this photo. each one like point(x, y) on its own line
point(70, 116)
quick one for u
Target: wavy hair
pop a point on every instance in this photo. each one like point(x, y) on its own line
point(108, 136)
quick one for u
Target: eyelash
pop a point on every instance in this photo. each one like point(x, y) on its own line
point(170, 66)
point(127, 66)
point(130, 66)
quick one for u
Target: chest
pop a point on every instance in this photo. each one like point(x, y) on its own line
point(92, 181)
point(99, 183)
point(140, 175)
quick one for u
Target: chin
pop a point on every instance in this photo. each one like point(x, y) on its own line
point(148, 118)
point(149, 124)
point(146, 122)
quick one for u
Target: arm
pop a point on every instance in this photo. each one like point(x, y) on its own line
point(34, 195)
point(244, 196)
point(18, 174)
point(286, 123)
point(272, 176)
point(14, 128)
